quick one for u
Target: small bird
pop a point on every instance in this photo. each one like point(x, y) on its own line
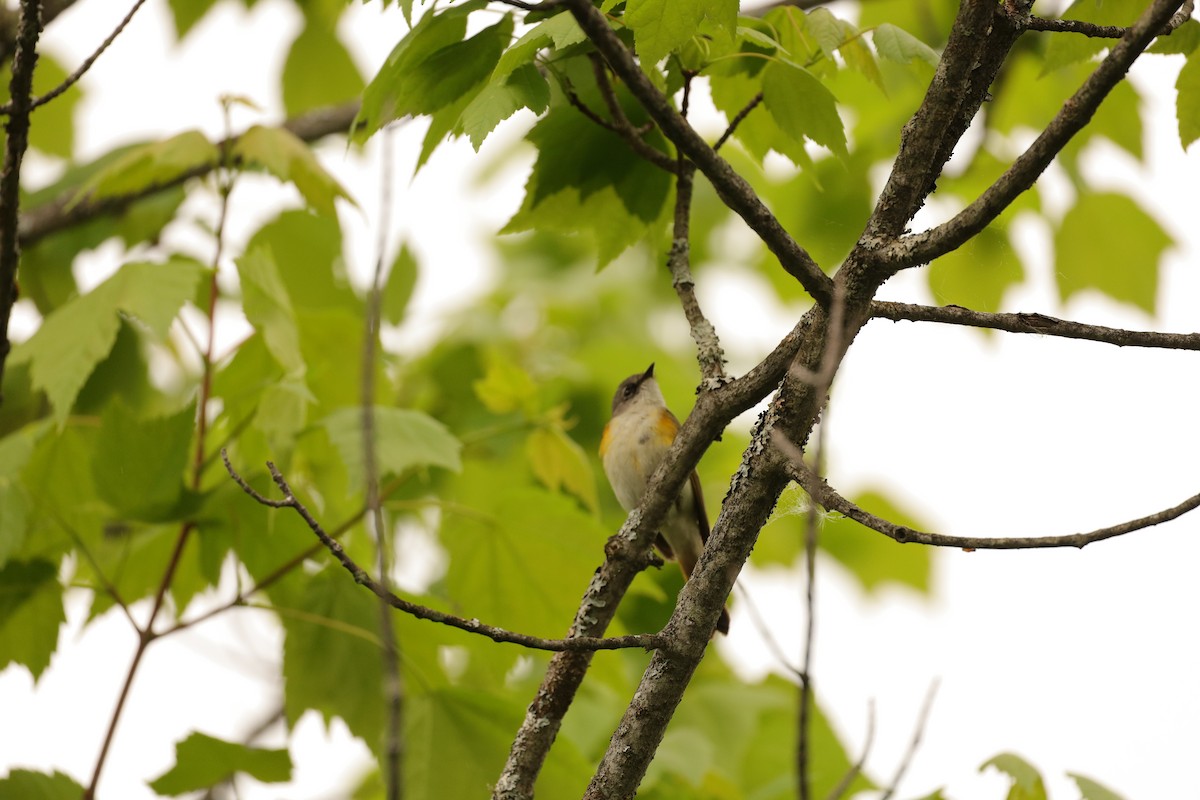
point(634, 443)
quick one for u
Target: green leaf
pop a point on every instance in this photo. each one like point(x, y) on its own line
point(281, 153)
point(661, 26)
point(188, 12)
point(897, 44)
point(53, 132)
point(586, 180)
point(1090, 790)
point(505, 387)
point(404, 439)
point(1062, 51)
point(1187, 103)
point(1026, 780)
point(827, 29)
point(307, 250)
point(560, 463)
point(15, 452)
point(78, 335)
point(31, 611)
point(202, 761)
point(1183, 40)
point(140, 462)
point(518, 531)
point(401, 281)
point(457, 742)
point(23, 784)
point(318, 71)
point(433, 68)
point(151, 164)
point(560, 31)
point(977, 274)
point(1108, 243)
point(524, 87)
point(802, 106)
point(268, 308)
point(331, 629)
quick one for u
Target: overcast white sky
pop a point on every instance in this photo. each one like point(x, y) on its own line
point(1081, 661)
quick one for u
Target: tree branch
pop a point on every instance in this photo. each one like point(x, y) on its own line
point(64, 212)
point(1033, 323)
point(914, 742)
point(361, 576)
point(1075, 113)
point(731, 187)
point(1093, 30)
point(828, 498)
point(621, 124)
point(10, 21)
point(17, 139)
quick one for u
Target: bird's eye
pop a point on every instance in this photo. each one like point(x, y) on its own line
point(628, 391)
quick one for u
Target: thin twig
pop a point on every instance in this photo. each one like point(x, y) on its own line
point(737, 120)
point(828, 498)
point(1092, 30)
point(1033, 323)
point(622, 126)
point(647, 641)
point(918, 732)
point(74, 77)
point(393, 679)
point(16, 140)
point(856, 768)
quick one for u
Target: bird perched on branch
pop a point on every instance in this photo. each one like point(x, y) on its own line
point(635, 442)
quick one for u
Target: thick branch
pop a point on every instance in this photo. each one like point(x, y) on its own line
point(59, 213)
point(10, 21)
point(1034, 323)
point(17, 138)
point(732, 188)
point(828, 498)
point(1076, 112)
point(361, 576)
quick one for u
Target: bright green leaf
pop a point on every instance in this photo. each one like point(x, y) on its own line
point(802, 106)
point(661, 26)
point(151, 164)
point(1026, 780)
point(78, 335)
point(202, 761)
point(401, 281)
point(31, 610)
point(15, 452)
point(268, 308)
point(1108, 243)
point(518, 531)
point(524, 87)
point(560, 31)
point(977, 274)
point(403, 439)
point(897, 44)
point(433, 68)
point(139, 463)
point(827, 29)
point(318, 71)
point(505, 387)
point(1183, 40)
point(560, 463)
point(307, 250)
point(284, 155)
point(1187, 103)
point(458, 739)
point(1090, 790)
point(23, 784)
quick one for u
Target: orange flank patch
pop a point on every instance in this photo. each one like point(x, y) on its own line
point(606, 439)
point(666, 427)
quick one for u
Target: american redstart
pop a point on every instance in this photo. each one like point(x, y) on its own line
point(635, 441)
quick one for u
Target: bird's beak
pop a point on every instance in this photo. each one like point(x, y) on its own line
point(649, 373)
